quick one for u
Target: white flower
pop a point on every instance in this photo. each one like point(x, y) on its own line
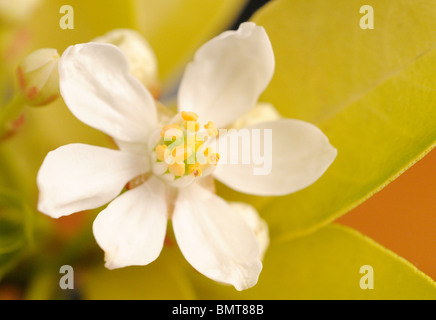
point(222, 83)
point(142, 60)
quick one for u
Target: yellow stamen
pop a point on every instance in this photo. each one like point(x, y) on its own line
point(189, 116)
point(177, 168)
point(211, 129)
point(192, 126)
point(171, 130)
point(181, 153)
point(161, 152)
point(208, 151)
point(195, 169)
point(213, 159)
point(180, 157)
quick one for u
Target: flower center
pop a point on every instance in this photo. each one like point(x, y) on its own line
point(180, 156)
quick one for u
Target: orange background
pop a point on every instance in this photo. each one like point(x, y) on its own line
point(402, 217)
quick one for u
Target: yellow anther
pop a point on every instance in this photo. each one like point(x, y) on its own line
point(178, 169)
point(161, 152)
point(192, 126)
point(171, 130)
point(211, 129)
point(208, 151)
point(195, 169)
point(189, 116)
point(181, 153)
point(213, 159)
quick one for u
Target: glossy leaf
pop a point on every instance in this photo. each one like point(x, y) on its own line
point(45, 129)
point(16, 229)
point(91, 19)
point(370, 91)
point(174, 28)
point(177, 28)
point(162, 279)
point(327, 265)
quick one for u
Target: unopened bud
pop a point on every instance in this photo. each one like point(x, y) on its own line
point(260, 228)
point(142, 60)
point(39, 78)
point(262, 112)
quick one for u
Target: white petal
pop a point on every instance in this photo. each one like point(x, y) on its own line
point(142, 60)
point(79, 177)
point(228, 75)
point(159, 168)
point(214, 239)
point(131, 230)
point(296, 155)
point(133, 147)
point(255, 222)
point(99, 90)
point(183, 182)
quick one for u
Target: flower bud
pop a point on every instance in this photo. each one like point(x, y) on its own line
point(16, 11)
point(142, 60)
point(255, 222)
point(39, 78)
point(262, 112)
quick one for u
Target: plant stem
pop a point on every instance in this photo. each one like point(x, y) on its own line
point(10, 112)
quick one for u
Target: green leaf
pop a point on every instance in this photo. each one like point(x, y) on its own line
point(174, 28)
point(162, 279)
point(16, 229)
point(42, 284)
point(370, 91)
point(326, 265)
point(177, 28)
point(45, 129)
point(91, 19)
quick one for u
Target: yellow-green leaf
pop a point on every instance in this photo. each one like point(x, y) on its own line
point(44, 130)
point(176, 28)
point(371, 91)
point(91, 19)
point(327, 265)
point(16, 229)
point(162, 279)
